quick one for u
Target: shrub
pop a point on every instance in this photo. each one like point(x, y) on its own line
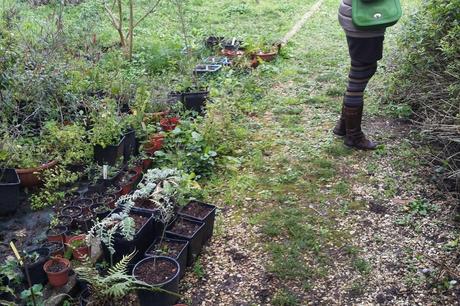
point(428, 80)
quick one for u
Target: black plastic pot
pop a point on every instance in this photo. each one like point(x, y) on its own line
point(9, 191)
point(195, 101)
point(110, 154)
point(195, 240)
point(213, 41)
point(181, 258)
point(148, 297)
point(55, 248)
point(35, 269)
point(142, 239)
point(100, 211)
point(65, 221)
point(84, 297)
point(71, 211)
point(84, 222)
point(129, 144)
point(208, 219)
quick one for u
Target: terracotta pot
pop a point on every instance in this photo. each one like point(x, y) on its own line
point(58, 278)
point(30, 177)
point(169, 124)
point(79, 253)
point(157, 141)
point(57, 237)
point(146, 163)
point(231, 53)
point(266, 57)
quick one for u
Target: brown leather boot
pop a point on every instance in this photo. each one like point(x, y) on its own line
point(354, 135)
point(339, 129)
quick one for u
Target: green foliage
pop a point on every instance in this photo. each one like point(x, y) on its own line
point(198, 269)
point(285, 298)
point(107, 128)
point(51, 193)
point(116, 223)
point(109, 288)
point(187, 149)
point(69, 141)
point(427, 79)
point(11, 270)
point(37, 291)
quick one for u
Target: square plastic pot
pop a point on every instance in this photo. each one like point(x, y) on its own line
point(181, 258)
point(9, 191)
point(195, 240)
point(110, 154)
point(208, 220)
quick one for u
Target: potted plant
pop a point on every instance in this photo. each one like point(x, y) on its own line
point(122, 231)
point(85, 220)
point(9, 190)
point(100, 210)
point(55, 248)
point(190, 230)
point(113, 287)
point(174, 248)
point(106, 134)
point(71, 212)
point(201, 212)
point(79, 247)
point(57, 269)
point(128, 180)
point(29, 156)
point(56, 233)
point(213, 41)
point(161, 272)
point(265, 53)
point(33, 262)
point(64, 221)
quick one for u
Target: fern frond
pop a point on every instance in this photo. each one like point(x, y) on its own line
point(122, 265)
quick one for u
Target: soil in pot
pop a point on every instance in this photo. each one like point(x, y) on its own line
point(9, 191)
point(57, 270)
point(91, 194)
point(190, 230)
point(162, 272)
point(173, 248)
point(84, 220)
point(79, 248)
point(71, 211)
point(34, 261)
point(84, 204)
point(65, 221)
point(202, 212)
point(55, 248)
point(107, 200)
point(145, 204)
point(100, 210)
point(56, 233)
point(184, 227)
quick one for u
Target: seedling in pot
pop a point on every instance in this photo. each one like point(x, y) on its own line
point(57, 270)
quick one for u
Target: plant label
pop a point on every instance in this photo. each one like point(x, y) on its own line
point(105, 169)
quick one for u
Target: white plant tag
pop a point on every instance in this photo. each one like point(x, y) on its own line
point(105, 169)
point(143, 126)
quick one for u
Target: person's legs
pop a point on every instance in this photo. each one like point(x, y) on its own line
point(364, 54)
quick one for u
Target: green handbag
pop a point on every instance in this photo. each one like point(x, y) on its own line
point(375, 14)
